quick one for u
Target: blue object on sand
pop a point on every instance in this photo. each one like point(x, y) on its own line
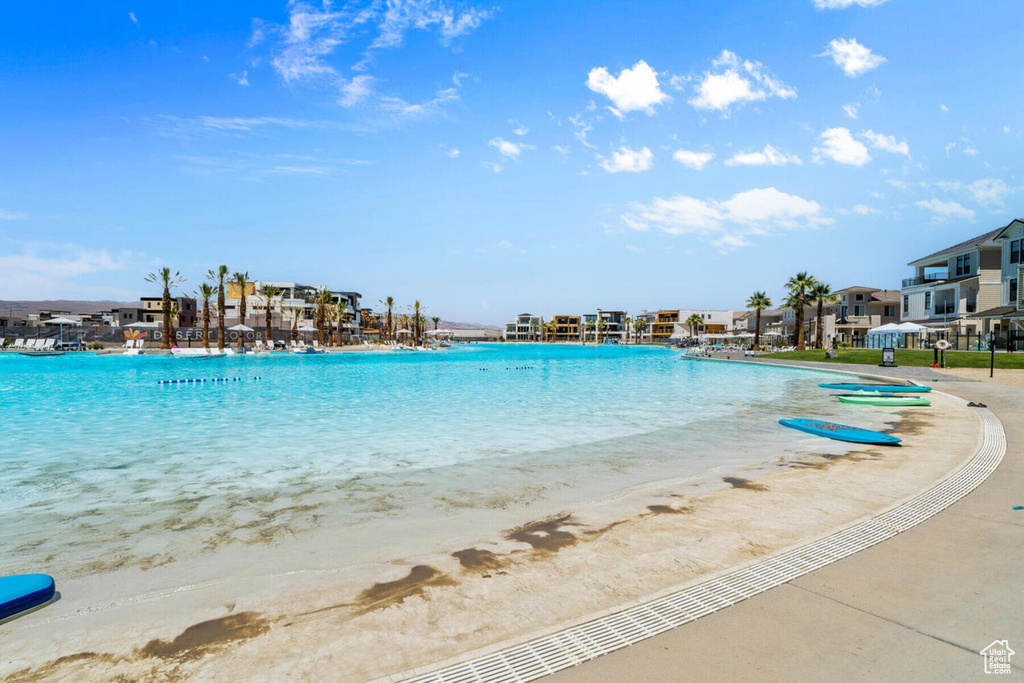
point(840, 432)
point(886, 388)
point(24, 591)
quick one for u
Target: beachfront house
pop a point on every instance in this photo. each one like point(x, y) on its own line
point(613, 326)
point(526, 327)
point(293, 298)
point(663, 326)
point(950, 287)
point(714, 323)
point(152, 310)
point(567, 328)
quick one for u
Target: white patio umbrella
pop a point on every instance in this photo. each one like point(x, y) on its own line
point(241, 328)
point(62, 322)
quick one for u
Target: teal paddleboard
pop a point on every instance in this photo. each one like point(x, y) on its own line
point(831, 430)
point(876, 398)
point(24, 591)
point(887, 388)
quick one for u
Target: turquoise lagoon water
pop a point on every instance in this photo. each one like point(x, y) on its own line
point(104, 468)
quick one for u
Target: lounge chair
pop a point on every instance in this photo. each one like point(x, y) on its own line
point(48, 344)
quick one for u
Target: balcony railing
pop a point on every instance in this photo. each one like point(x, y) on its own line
point(930, 277)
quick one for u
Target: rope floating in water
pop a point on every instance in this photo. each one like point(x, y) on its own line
point(197, 381)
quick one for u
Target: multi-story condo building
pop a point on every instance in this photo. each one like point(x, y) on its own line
point(1006, 318)
point(567, 328)
point(858, 310)
point(526, 327)
point(951, 286)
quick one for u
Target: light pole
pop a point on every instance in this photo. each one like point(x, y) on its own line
point(991, 338)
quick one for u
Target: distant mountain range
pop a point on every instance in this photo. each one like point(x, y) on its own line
point(22, 309)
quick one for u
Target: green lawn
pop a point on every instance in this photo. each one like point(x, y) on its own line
point(954, 359)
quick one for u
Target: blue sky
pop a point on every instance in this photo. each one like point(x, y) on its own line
point(490, 159)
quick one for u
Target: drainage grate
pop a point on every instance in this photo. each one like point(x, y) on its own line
point(548, 654)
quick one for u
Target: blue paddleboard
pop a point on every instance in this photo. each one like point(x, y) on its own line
point(25, 591)
point(887, 388)
point(831, 430)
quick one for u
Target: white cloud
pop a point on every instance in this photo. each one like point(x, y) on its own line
point(944, 108)
point(561, 149)
point(403, 15)
point(731, 81)
point(505, 244)
point(635, 249)
point(355, 91)
point(886, 143)
point(416, 110)
point(6, 215)
point(53, 271)
point(943, 211)
point(843, 4)
point(241, 80)
point(493, 167)
point(970, 151)
point(852, 57)
point(581, 128)
point(694, 160)
point(989, 191)
point(131, 15)
point(519, 129)
point(727, 224)
point(862, 210)
point(851, 109)
point(453, 153)
point(509, 149)
point(769, 157)
point(633, 89)
point(839, 145)
point(632, 161)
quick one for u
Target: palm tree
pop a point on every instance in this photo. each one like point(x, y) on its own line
point(798, 287)
point(342, 308)
point(587, 327)
point(417, 331)
point(220, 276)
point(759, 301)
point(206, 291)
point(599, 326)
point(322, 301)
point(534, 328)
point(165, 278)
point(331, 315)
point(629, 324)
point(436, 320)
point(242, 281)
point(389, 302)
point(269, 292)
point(296, 312)
point(694, 321)
point(174, 316)
point(822, 294)
point(639, 327)
point(552, 329)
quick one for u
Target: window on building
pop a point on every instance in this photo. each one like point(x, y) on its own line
point(967, 264)
point(959, 266)
point(906, 304)
point(859, 297)
point(1015, 251)
point(889, 311)
point(927, 300)
point(1013, 292)
point(858, 310)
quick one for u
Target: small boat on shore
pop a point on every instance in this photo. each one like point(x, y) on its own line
point(831, 430)
point(875, 398)
point(886, 388)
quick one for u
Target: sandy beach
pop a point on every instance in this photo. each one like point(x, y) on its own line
point(357, 623)
point(1011, 378)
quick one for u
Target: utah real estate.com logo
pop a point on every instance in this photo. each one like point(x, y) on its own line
point(997, 657)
